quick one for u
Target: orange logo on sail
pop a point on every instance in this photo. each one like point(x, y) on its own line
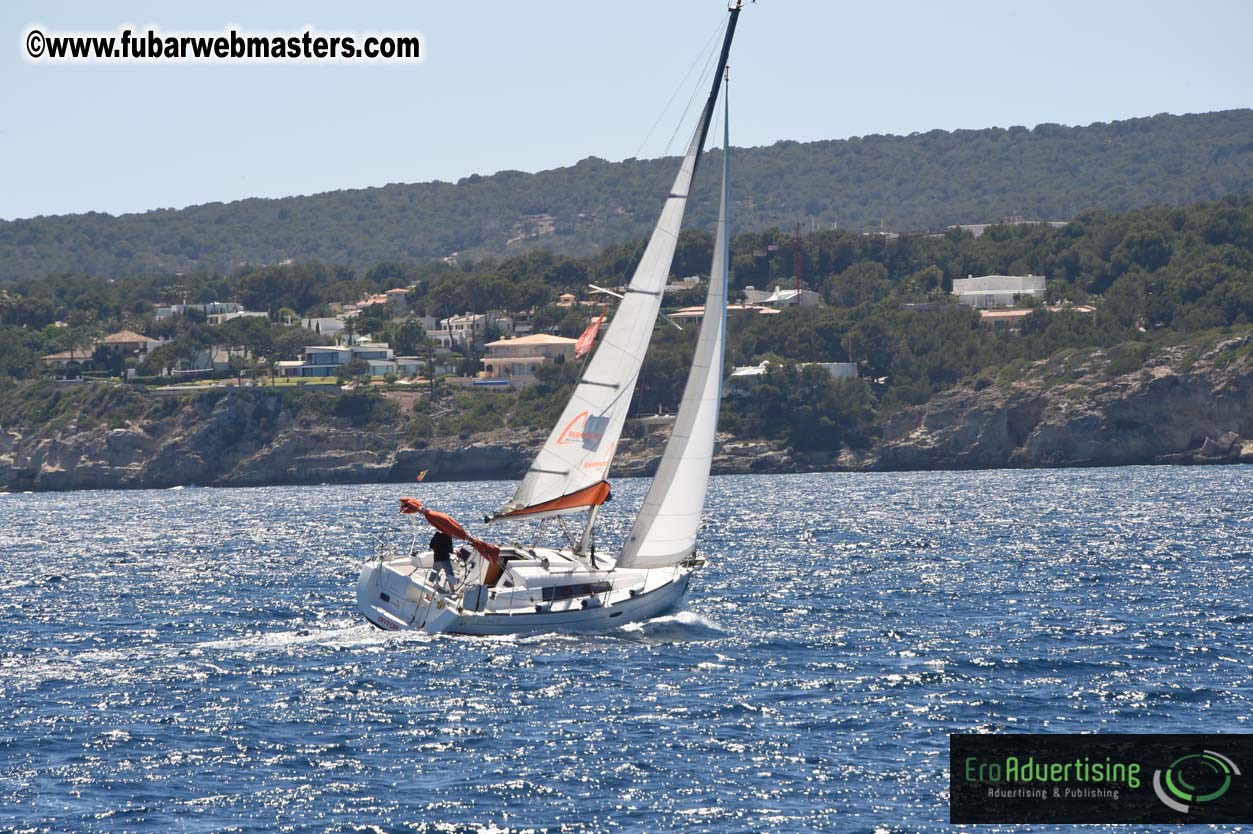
point(589, 432)
point(568, 434)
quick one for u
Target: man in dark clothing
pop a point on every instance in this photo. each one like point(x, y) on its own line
point(441, 545)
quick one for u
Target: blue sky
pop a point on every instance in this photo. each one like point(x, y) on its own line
point(534, 85)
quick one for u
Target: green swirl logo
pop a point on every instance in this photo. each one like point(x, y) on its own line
point(1194, 779)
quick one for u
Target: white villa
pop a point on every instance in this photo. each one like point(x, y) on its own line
point(468, 329)
point(694, 315)
point(781, 297)
point(990, 291)
point(212, 308)
point(747, 375)
point(219, 318)
point(215, 312)
point(326, 360)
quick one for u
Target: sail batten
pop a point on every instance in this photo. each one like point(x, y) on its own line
point(664, 532)
point(581, 447)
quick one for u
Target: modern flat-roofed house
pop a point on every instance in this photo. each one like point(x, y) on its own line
point(323, 360)
point(219, 318)
point(326, 360)
point(694, 315)
point(442, 362)
point(410, 366)
point(372, 351)
point(381, 367)
point(991, 291)
point(515, 360)
point(212, 308)
point(681, 284)
point(745, 376)
point(779, 297)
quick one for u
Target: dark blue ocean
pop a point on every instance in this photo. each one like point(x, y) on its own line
point(189, 660)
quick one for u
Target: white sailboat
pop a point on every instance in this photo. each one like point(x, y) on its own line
point(520, 590)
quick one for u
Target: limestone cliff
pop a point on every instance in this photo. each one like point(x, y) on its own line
point(252, 437)
point(1190, 403)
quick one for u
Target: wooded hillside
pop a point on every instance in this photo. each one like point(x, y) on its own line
point(904, 182)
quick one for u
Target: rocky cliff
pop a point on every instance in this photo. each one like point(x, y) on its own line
point(252, 437)
point(1190, 403)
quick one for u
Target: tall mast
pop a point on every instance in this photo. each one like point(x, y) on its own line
point(707, 116)
point(706, 119)
point(569, 472)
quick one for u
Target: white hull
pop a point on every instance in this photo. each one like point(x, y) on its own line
point(397, 595)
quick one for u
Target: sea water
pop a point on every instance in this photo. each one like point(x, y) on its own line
point(190, 660)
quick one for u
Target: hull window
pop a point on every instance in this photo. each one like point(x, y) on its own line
point(584, 589)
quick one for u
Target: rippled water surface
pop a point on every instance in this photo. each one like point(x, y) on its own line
point(189, 660)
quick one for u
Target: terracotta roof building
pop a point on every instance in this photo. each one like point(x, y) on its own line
point(129, 341)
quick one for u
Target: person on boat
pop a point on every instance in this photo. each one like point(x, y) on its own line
point(441, 546)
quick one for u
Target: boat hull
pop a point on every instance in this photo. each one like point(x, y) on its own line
point(415, 610)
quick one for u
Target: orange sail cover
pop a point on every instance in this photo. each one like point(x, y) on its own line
point(588, 338)
point(440, 521)
point(449, 525)
point(589, 496)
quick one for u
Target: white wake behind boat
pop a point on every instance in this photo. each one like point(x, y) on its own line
point(527, 590)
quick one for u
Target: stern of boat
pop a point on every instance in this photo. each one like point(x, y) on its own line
point(394, 595)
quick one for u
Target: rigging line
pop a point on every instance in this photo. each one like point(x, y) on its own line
point(700, 83)
point(561, 523)
point(679, 88)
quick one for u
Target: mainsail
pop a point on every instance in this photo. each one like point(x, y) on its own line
point(665, 529)
point(568, 475)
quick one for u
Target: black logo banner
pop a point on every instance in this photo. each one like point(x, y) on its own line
point(1175, 779)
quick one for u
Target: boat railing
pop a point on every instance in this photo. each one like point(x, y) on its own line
point(382, 549)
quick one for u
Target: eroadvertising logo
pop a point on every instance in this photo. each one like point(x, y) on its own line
point(1099, 778)
point(1194, 779)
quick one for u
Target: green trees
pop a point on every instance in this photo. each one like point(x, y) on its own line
point(804, 407)
point(357, 369)
point(301, 286)
point(407, 338)
point(908, 182)
point(19, 352)
point(1152, 273)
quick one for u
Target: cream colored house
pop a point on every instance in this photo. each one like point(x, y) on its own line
point(515, 360)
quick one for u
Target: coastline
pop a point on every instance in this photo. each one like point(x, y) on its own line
point(1188, 403)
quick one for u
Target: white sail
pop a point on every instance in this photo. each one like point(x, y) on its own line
point(665, 529)
point(577, 455)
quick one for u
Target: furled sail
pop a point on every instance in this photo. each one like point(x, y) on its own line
point(665, 530)
point(581, 447)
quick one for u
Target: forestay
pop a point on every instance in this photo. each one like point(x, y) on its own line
point(665, 529)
